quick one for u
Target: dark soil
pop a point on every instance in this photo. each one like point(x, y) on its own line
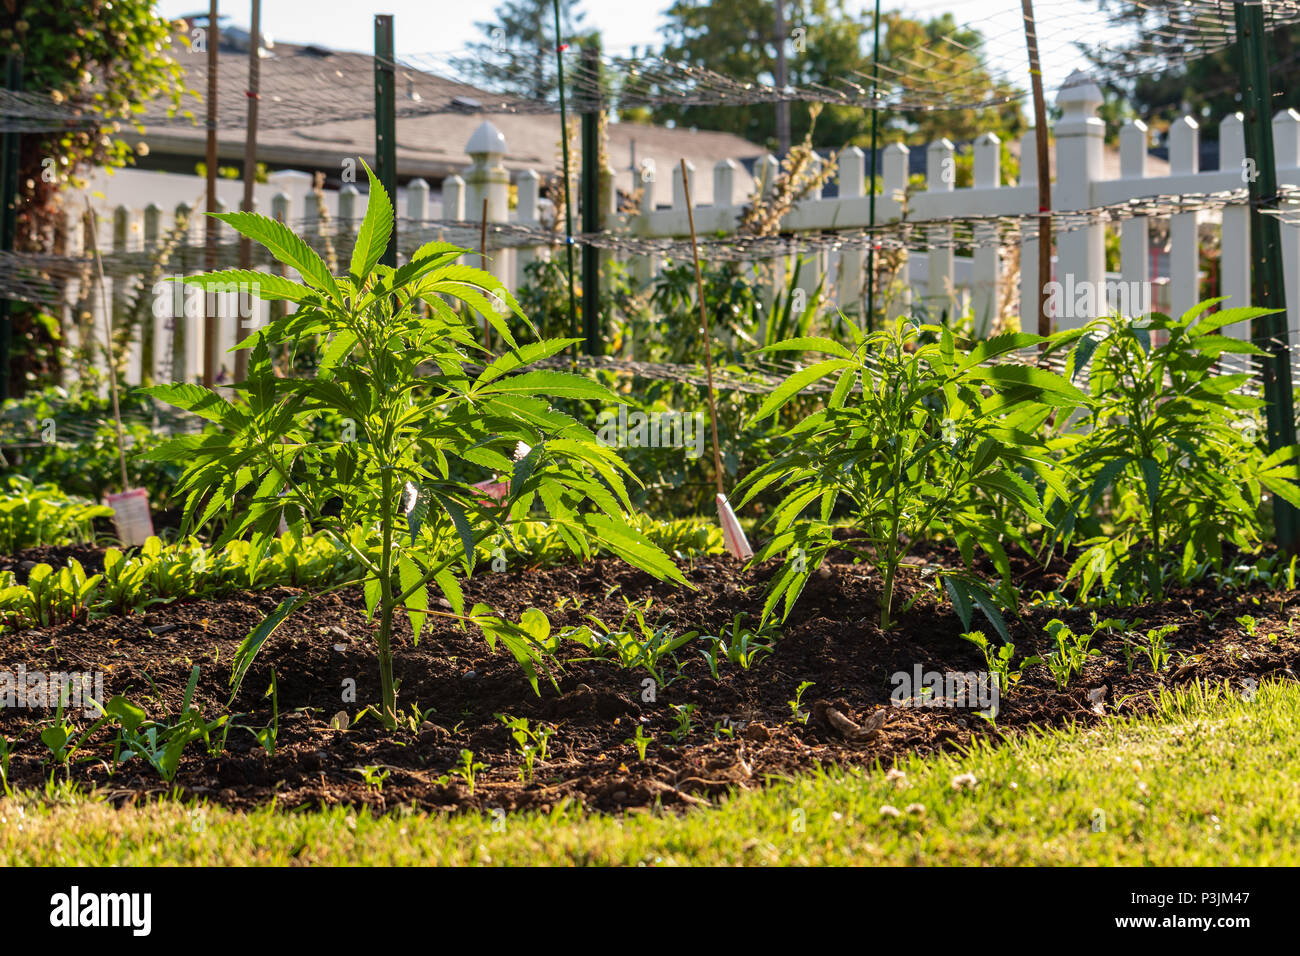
point(742, 732)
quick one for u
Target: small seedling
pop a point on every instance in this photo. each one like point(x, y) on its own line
point(268, 735)
point(1071, 653)
point(6, 750)
point(468, 769)
point(416, 719)
point(796, 705)
point(1157, 648)
point(640, 742)
point(682, 714)
point(374, 777)
point(533, 743)
point(998, 662)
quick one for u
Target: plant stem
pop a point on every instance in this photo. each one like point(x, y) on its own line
point(388, 705)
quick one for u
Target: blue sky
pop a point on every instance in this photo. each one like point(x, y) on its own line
point(445, 26)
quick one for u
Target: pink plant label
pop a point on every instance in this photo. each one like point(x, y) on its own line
point(131, 516)
point(496, 490)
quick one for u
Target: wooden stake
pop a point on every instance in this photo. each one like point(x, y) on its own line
point(108, 335)
point(250, 175)
point(210, 224)
point(708, 336)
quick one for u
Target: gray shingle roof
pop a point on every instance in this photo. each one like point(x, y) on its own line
point(308, 95)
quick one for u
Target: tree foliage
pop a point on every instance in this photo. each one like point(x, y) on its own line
point(96, 57)
point(1205, 86)
point(519, 51)
point(824, 44)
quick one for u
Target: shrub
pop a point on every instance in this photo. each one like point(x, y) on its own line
point(77, 450)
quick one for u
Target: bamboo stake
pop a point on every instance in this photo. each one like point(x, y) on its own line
point(108, 335)
point(250, 174)
point(732, 534)
point(704, 321)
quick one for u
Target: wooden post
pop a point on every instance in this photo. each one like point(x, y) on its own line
point(871, 182)
point(782, 106)
point(9, 156)
point(250, 173)
point(568, 200)
point(210, 224)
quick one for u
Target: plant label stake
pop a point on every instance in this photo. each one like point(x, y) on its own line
point(131, 515)
point(732, 534)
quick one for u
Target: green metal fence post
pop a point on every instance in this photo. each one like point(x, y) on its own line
point(386, 121)
point(1267, 287)
point(9, 158)
point(591, 210)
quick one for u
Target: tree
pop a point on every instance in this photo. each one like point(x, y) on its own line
point(939, 60)
point(825, 44)
point(1160, 92)
point(738, 41)
point(520, 47)
point(102, 57)
point(98, 57)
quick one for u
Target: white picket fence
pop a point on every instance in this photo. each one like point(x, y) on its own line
point(938, 280)
point(945, 282)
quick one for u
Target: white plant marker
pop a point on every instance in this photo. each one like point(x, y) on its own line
point(732, 535)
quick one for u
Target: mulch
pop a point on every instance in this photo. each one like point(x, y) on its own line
point(742, 731)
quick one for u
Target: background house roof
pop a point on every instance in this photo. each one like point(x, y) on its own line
point(308, 93)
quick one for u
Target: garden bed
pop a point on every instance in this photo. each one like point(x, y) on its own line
point(745, 729)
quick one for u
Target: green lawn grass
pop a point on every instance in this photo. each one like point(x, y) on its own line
point(1207, 781)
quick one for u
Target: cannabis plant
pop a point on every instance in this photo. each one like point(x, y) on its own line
point(431, 413)
point(915, 437)
point(1172, 440)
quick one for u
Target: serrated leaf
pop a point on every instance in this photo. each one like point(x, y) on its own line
point(264, 285)
point(194, 399)
point(286, 246)
point(258, 636)
point(376, 228)
point(417, 602)
point(795, 384)
point(543, 382)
